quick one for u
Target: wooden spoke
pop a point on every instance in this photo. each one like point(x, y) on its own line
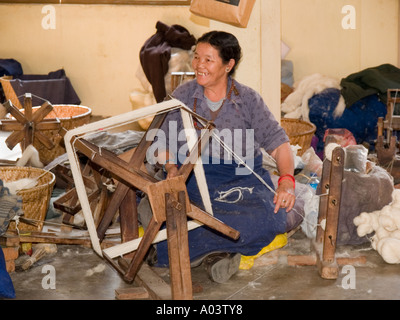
point(28, 125)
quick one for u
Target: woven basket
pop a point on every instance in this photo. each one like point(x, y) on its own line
point(299, 132)
point(70, 116)
point(35, 201)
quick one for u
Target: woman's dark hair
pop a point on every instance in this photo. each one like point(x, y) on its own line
point(226, 44)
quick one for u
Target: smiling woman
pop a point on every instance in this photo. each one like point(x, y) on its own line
point(245, 200)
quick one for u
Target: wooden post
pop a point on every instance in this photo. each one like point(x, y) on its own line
point(326, 261)
point(178, 247)
point(129, 217)
point(162, 197)
point(323, 200)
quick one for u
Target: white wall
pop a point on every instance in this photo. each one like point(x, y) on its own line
point(99, 45)
point(319, 44)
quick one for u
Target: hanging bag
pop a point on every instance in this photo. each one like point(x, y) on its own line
point(235, 12)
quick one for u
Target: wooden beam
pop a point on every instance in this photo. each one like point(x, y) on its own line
point(325, 244)
point(178, 246)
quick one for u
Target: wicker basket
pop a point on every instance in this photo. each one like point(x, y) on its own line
point(70, 116)
point(299, 132)
point(35, 201)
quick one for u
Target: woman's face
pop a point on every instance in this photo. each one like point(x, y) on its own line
point(208, 65)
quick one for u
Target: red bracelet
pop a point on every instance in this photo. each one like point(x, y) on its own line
point(287, 176)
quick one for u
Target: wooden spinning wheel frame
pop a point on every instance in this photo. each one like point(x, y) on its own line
point(28, 125)
point(168, 198)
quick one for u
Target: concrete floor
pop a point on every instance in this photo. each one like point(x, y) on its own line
point(80, 274)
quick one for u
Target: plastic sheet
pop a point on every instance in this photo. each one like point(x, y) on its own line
point(355, 158)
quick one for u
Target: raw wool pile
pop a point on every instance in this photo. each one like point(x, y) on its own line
point(30, 156)
point(20, 184)
point(296, 104)
point(386, 225)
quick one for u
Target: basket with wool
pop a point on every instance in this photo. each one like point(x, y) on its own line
point(299, 132)
point(35, 200)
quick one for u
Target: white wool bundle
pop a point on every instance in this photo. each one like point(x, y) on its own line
point(30, 156)
point(390, 217)
point(365, 223)
point(396, 199)
point(389, 249)
point(329, 150)
point(395, 234)
point(386, 224)
point(374, 241)
point(381, 233)
point(296, 104)
point(21, 184)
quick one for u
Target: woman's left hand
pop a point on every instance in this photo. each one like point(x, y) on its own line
point(284, 197)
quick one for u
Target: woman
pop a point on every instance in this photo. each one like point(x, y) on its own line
point(238, 198)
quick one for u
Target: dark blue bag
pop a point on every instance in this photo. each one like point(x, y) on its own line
point(6, 286)
point(10, 67)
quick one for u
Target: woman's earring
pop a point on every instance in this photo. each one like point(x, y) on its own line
point(227, 69)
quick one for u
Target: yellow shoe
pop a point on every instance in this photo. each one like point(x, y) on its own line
point(247, 262)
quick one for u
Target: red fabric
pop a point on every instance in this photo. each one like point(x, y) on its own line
point(343, 137)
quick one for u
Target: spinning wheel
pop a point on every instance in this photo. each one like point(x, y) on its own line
point(168, 199)
point(29, 125)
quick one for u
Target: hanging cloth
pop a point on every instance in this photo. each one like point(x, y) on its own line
point(156, 52)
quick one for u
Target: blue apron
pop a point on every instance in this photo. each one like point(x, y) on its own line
point(240, 201)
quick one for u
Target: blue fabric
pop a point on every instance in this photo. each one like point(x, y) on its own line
point(252, 216)
point(360, 119)
point(6, 286)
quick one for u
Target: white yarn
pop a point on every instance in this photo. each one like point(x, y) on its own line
point(389, 249)
point(363, 223)
point(386, 224)
point(396, 200)
point(381, 233)
point(223, 195)
point(21, 184)
point(329, 150)
point(323, 224)
point(31, 156)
